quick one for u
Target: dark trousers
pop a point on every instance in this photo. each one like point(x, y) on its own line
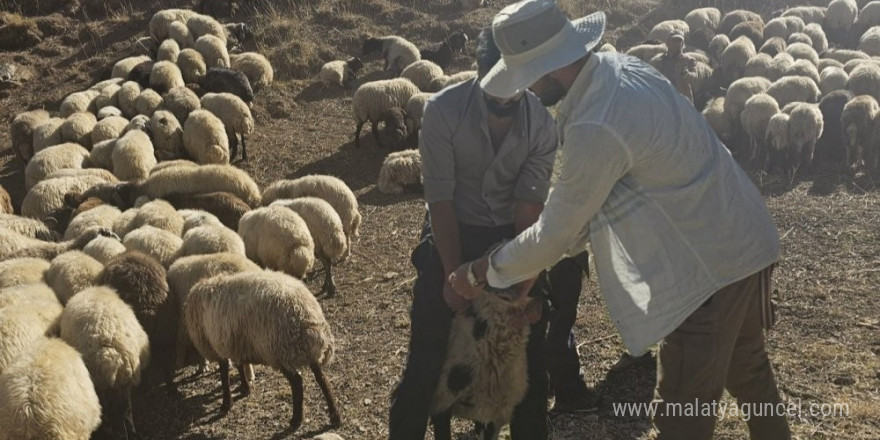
point(431, 318)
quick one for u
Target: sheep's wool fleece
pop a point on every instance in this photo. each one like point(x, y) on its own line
point(484, 375)
point(278, 239)
point(27, 293)
point(47, 394)
point(20, 271)
point(105, 330)
point(292, 332)
point(23, 324)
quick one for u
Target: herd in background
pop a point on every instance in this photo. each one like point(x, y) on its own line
point(397, 104)
point(139, 249)
point(797, 90)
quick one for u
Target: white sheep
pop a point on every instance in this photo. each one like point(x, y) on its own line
point(47, 134)
point(21, 132)
point(278, 239)
point(869, 16)
point(339, 72)
point(72, 272)
point(22, 271)
point(124, 66)
point(864, 80)
point(213, 51)
point(186, 272)
point(825, 63)
point(108, 128)
point(844, 55)
point(703, 18)
point(647, 51)
point(168, 51)
point(790, 89)
point(114, 347)
point(128, 96)
point(399, 170)
point(831, 79)
point(373, 99)
point(415, 109)
point(739, 92)
point(47, 394)
point(133, 156)
point(423, 73)
point(800, 37)
point(210, 239)
point(34, 292)
point(783, 27)
point(5, 202)
point(22, 325)
point(777, 139)
point(160, 244)
point(396, 51)
point(203, 179)
point(256, 68)
point(205, 139)
point(157, 213)
point(161, 20)
point(167, 135)
point(852, 64)
point(869, 42)
point(109, 97)
point(805, 126)
point(181, 35)
point(47, 196)
point(193, 218)
point(235, 116)
point(449, 80)
point(291, 333)
point(200, 25)
point(803, 51)
point(51, 159)
point(662, 30)
point(803, 68)
point(101, 85)
point(325, 226)
point(733, 18)
point(147, 103)
point(165, 76)
point(859, 120)
point(841, 15)
point(817, 35)
point(181, 101)
point(29, 227)
point(809, 14)
point(192, 66)
point(735, 57)
point(329, 188)
point(758, 65)
point(102, 215)
point(104, 248)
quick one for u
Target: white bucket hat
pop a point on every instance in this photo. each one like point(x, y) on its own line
point(535, 38)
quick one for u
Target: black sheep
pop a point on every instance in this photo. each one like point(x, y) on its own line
point(441, 53)
point(220, 80)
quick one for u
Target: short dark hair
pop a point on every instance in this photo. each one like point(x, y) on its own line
point(487, 52)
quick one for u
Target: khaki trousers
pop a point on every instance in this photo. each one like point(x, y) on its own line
point(720, 345)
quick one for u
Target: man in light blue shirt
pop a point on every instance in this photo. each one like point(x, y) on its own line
point(682, 240)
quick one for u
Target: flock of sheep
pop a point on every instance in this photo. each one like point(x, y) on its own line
point(800, 88)
point(139, 249)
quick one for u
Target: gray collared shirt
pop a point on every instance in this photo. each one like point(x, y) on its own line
point(670, 216)
point(460, 165)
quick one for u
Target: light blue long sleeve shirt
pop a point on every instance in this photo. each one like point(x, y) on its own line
point(670, 216)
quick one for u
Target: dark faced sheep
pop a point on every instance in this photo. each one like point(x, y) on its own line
point(219, 80)
point(442, 53)
point(141, 74)
point(394, 132)
point(141, 282)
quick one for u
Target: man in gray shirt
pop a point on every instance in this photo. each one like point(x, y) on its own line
point(486, 166)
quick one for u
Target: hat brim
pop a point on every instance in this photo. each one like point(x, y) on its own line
point(505, 79)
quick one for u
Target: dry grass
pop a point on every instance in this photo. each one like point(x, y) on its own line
point(824, 349)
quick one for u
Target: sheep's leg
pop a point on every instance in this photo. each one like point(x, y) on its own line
point(243, 148)
point(249, 370)
point(127, 417)
point(233, 144)
point(357, 135)
point(329, 285)
point(335, 418)
point(375, 127)
point(442, 425)
point(491, 431)
point(224, 383)
point(243, 377)
point(296, 391)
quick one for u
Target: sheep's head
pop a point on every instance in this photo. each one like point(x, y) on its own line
point(394, 133)
point(458, 41)
point(90, 234)
point(371, 46)
point(355, 64)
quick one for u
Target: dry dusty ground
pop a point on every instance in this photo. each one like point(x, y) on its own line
point(826, 348)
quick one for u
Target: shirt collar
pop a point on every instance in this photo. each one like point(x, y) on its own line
point(578, 88)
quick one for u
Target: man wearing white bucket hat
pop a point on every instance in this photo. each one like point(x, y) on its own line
point(683, 243)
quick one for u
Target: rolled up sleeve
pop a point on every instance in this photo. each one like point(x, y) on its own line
point(593, 160)
point(438, 158)
point(533, 182)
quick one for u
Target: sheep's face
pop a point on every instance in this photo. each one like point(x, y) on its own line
point(371, 46)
